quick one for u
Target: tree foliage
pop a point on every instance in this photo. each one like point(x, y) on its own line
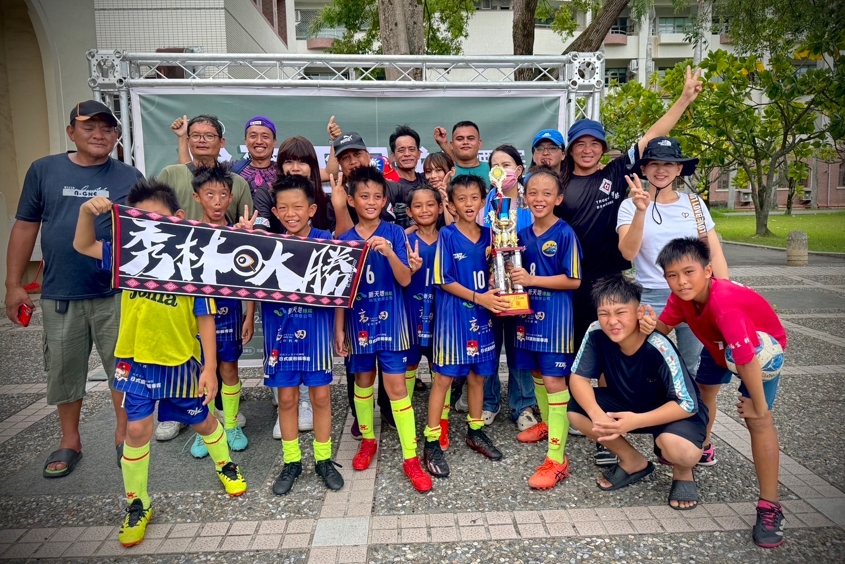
point(763, 119)
point(445, 25)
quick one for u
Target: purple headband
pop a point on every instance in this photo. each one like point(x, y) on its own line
point(263, 122)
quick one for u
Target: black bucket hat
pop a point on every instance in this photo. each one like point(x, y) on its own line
point(667, 150)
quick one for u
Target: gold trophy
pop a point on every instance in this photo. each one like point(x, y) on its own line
point(506, 250)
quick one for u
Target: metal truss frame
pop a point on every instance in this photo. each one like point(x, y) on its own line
point(112, 74)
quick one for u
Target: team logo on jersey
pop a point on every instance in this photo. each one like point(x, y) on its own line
point(459, 256)
point(419, 330)
point(300, 334)
point(540, 315)
point(490, 323)
point(472, 348)
point(549, 248)
point(382, 315)
point(223, 310)
point(520, 333)
point(122, 371)
point(606, 185)
point(685, 214)
point(363, 338)
point(362, 316)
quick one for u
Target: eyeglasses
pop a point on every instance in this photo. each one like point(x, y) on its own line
point(203, 136)
point(546, 149)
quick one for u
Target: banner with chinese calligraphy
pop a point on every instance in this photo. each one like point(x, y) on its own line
point(180, 256)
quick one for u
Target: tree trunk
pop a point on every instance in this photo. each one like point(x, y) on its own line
point(761, 211)
point(591, 38)
point(523, 33)
point(401, 32)
point(791, 189)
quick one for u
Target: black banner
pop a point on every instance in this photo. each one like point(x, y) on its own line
point(180, 256)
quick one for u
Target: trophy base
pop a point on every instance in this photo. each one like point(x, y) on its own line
point(518, 304)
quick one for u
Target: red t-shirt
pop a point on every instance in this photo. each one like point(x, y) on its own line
point(732, 316)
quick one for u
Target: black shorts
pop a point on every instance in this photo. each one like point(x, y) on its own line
point(693, 428)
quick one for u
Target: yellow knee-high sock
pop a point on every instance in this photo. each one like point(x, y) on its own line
point(475, 424)
point(322, 451)
point(447, 404)
point(231, 396)
point(403, 414)
point(411, 381)
point(432, 434)
point(135, 465)
point(364, 410)
point(558, 425)
point(290, 451)
point(218, 447)
point(542, 398)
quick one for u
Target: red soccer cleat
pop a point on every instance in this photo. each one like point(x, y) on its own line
point(444, 434)
point(419, 479)
point(364, 456)
point(534, 434)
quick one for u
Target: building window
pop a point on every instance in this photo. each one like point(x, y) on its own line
point(724, 181)
point(719, 26)
point(673, 25)
point(841, 182)
point(493, 4)
point(618, 75)
point(621, 27)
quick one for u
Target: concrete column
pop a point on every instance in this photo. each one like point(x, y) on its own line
point(796, 249)
point(644, 51)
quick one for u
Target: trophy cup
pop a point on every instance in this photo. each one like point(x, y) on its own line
point(506, 250)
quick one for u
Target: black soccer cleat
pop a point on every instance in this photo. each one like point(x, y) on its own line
point(434, 461)
point(327, 471)
point(284, 482)
point(479, 441)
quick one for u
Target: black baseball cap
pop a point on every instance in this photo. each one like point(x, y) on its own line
point(348, 141)
point(667, 150)
point(83, 111)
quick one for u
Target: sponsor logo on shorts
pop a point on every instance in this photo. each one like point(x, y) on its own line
point(195, 411)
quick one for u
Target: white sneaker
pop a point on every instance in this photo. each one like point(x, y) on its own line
point(277, 430)
point(241, 418)
point(306, 416)
point(489, 416)
point(461, 405)
point(168, 430)
point(575, 432)
point(526, 420)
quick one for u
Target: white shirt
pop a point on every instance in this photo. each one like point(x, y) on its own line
point(678, 221)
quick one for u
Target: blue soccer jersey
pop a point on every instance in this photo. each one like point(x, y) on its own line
point(463, 331)
point(377, 320)
point(298, 338)
point(550, 327)
point(229, 320)
point(419, 294)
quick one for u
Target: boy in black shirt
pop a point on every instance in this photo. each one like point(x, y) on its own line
point(648, 391)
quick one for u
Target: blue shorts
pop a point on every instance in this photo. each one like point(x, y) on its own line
point(189, 411)
point(415, 354)
point(549, 364)
point(486, 369)
point(390, 362)
point(293, 378)
point(229, 351)
point(711, 374)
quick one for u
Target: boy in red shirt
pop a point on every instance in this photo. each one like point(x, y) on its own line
point(723, 314)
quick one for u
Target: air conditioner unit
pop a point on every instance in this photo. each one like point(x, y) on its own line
point(298, 16)
point(634, 65)
point(806, 195)
point(745, 196)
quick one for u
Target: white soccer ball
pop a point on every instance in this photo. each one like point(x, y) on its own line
point(769, 354)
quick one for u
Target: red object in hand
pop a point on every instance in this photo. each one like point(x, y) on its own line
point(24, 314)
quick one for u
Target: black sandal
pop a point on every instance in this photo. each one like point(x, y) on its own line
point(683, 490)
point(619, 478)
point(67, 455)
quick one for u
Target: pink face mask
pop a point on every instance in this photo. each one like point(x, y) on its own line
point(510, 180)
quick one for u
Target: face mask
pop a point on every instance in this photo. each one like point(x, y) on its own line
point(510, 180)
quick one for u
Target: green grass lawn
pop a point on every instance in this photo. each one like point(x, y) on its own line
point(826, 231)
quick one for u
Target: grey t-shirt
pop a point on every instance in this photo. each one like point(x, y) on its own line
point(53, 191)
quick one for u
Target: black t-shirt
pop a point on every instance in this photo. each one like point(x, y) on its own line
point(408, 185)
point(395, 193)
point(590, 206)
point(649, 378)
point(53, 191)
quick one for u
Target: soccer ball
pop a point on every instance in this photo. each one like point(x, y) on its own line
point(769, 354)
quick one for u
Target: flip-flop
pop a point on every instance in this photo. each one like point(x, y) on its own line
point(619, 478)
point(67, 455)
point(683, 490)
point(119, 449)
